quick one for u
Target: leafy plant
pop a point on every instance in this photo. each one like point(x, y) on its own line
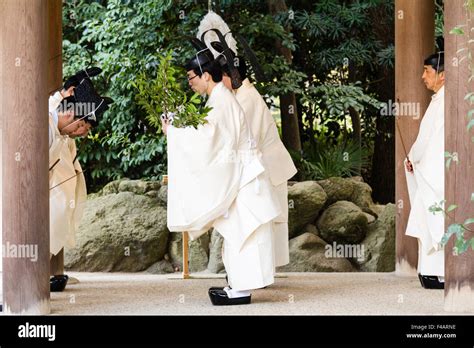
point(338, 98)
point(328, 160)
point(461, 244)
point(165, 95)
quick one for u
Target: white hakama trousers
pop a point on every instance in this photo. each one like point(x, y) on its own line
point(251, 267)
point(281, 248)
point(424, 226)
point(430, 264)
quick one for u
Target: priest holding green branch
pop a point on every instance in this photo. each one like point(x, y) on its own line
point(216, 179)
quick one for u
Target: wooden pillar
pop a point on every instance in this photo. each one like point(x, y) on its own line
point(23, 105)
point(414, 41)
point(55, 77)
point(55, 45)
point(459, 270)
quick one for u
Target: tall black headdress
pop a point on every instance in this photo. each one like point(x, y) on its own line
point(216, 34)
point(213, 28)
point(202, 57)
point(76, 79)
point(85, 93)
point(229, 56)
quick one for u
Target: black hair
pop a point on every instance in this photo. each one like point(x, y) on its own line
point(212, 67)
point(239, 63)
point(436, 61)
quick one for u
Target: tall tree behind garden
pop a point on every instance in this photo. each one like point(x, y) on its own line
point(288, 109)
point(355, 38)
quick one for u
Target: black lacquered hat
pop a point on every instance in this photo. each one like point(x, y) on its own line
point(76, 79)
point(86, 103)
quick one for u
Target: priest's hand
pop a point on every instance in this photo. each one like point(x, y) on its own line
point(82, 129)
point(164, 125)
point(76, 128)
point(65, 119)
point(67, 93)
point(409, 166)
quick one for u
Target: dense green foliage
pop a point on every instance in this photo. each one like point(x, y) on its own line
point(337, 55)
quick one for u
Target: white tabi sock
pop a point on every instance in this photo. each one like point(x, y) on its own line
point(231, 293)
point(441, 279)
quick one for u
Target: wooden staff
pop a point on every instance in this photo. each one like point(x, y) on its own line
point(164, 181)
point(62, 182)
point(185, 255)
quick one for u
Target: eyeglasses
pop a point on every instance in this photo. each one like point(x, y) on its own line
point(190, 78)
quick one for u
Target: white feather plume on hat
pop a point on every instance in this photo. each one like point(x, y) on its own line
point(213, 21)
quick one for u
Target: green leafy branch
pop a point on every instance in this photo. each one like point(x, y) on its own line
point(451, 157)
point(461, 244)
point(164, 94)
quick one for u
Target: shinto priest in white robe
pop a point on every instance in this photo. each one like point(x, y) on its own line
point(426, 187)
point(66, 201)
point(216, 179)
point(276, 160)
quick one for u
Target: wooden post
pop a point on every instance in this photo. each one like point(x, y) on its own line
point(55, 77)
point(55, 45)
point(185, 255)
point(459, 270)
point(24, 110)
point(414, 41)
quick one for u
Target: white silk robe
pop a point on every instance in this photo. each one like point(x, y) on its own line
point(426, 187)
point(216, 179)
point(276, 160)
point(66, 201)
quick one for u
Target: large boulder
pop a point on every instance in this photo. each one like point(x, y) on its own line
point(198, 252)
point(311, 229)
point(362, 195)
point(337, 189)
point(138, 187)
point(161, 267)
point(216, 265)
point(119, 232)
point(111, 187)
point(342, 222)
point(347, 189)
point(163, 195)
point(305, 199)
point(309, 253)
point(379, 245)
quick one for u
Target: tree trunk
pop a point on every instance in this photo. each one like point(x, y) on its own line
point(288, 109)
point(356, 130)
point(383, 159)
